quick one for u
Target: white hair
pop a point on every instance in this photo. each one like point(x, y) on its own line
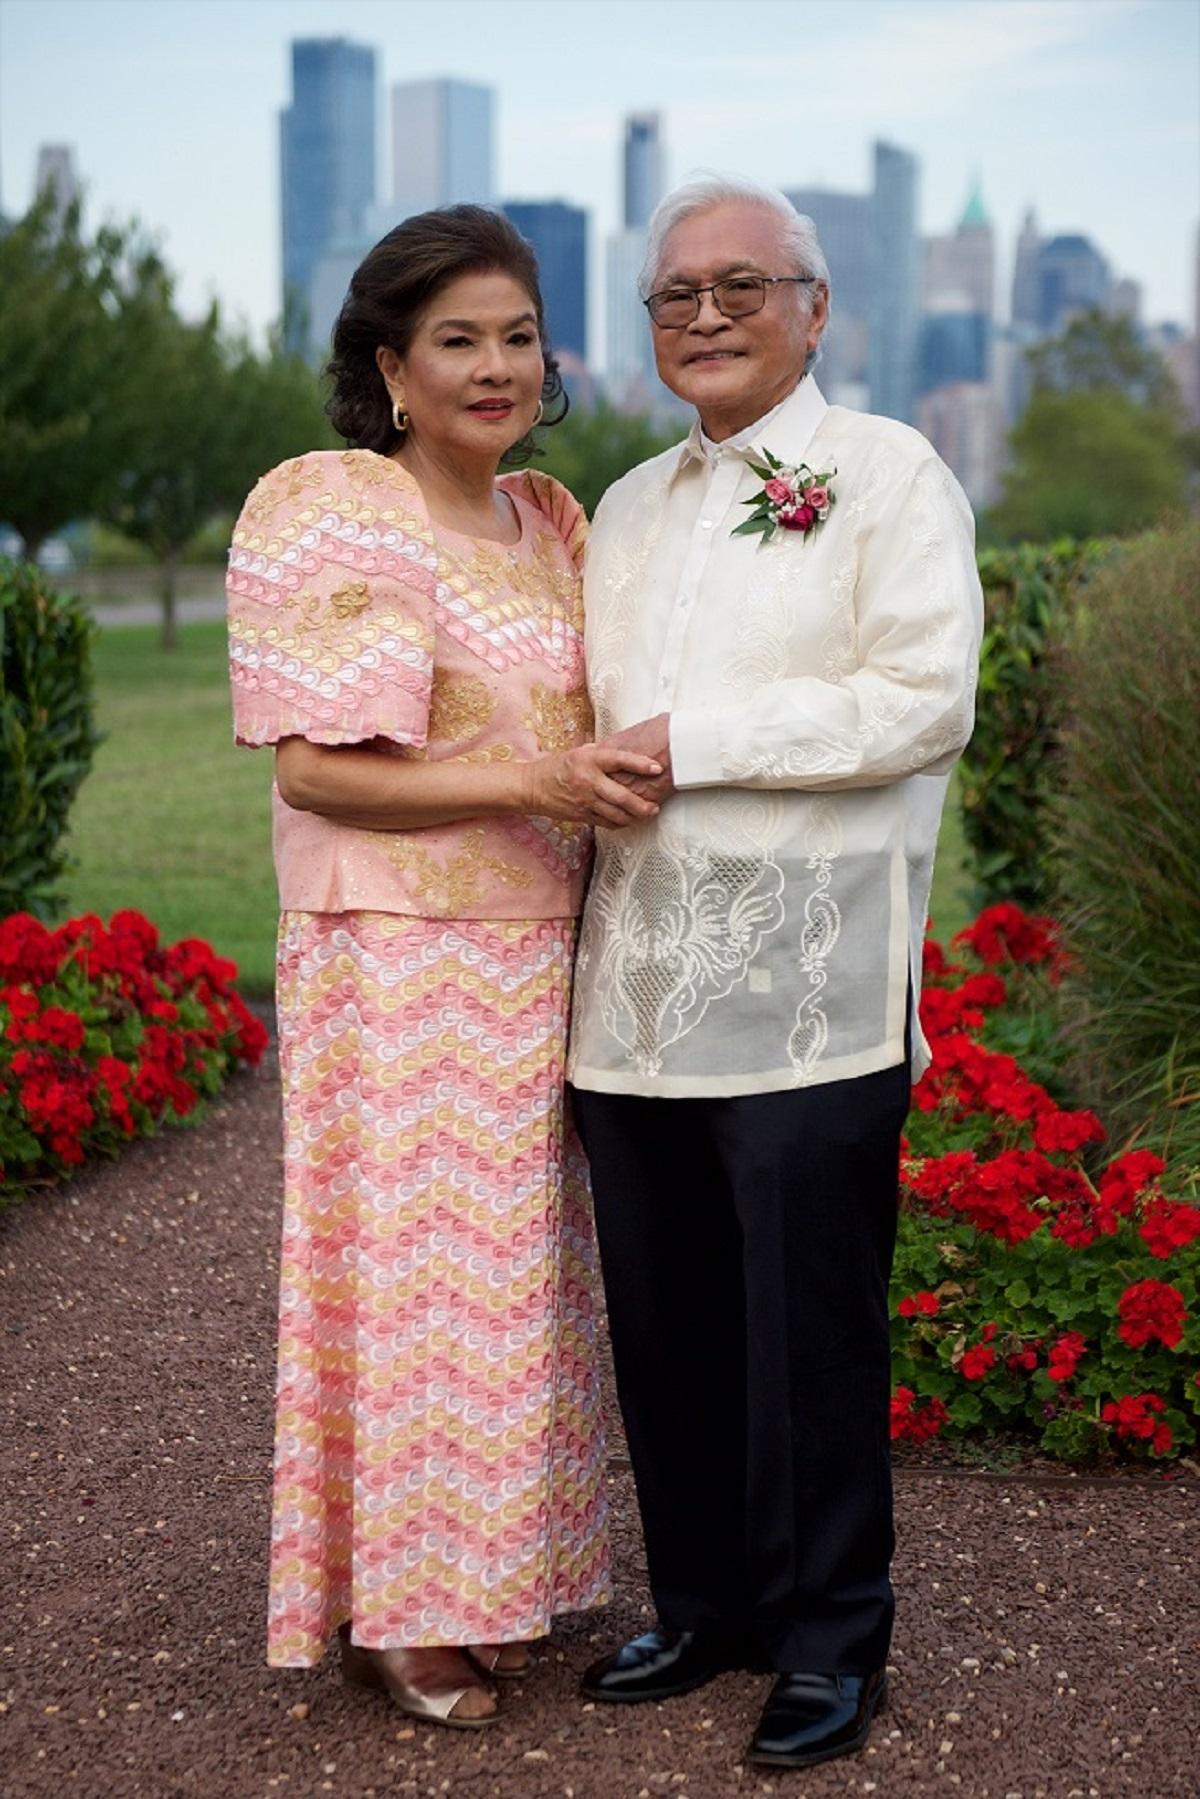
point(705, 190)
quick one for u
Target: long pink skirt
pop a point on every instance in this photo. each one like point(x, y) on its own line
point(438, 1457)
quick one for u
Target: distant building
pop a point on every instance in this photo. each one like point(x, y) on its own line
point(327, 164)
point(57, 175)
point(1072, 277)
point(1125, 300)
point(964, 424)
point(559, 235)
point(442, 145)
point(963, 263)
point(953, 345)
point(643, 168)
point(843, 223)
point(895, 283)
point(958, 300)
point(630, 378)
point(1024, 309)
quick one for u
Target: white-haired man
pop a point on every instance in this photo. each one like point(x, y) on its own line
point(745, 1027)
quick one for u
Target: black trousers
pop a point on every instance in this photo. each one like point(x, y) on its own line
point(747, 1246)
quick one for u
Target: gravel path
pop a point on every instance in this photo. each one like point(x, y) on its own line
point(1048, 1644)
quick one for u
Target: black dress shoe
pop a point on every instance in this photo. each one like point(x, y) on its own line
point(813, 1717)
point(659, 1665)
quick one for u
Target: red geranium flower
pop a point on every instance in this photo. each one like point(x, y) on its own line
point(1066, 1353)
point(1138, 1418)
point(926, 1304)
point(1150, 1309)
point(977, 1361)
point(1167, 1226)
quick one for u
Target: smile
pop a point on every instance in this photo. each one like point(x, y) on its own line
point(714, 356)
point(491, 409)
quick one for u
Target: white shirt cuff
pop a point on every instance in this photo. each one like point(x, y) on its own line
point(695, 749)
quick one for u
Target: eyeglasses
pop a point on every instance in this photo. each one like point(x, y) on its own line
point(736, 298)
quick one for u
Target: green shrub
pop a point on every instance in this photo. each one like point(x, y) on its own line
point(1009, 769)
point(1126, 835)
point(47, 737)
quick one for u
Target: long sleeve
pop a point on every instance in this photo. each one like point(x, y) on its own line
point(908, 707)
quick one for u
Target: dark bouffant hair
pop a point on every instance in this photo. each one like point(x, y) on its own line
point(390, 289)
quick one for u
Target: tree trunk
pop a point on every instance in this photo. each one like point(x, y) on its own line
point(31, 543)
point(169, 637)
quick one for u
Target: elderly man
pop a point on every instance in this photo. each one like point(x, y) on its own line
point(745, 1028)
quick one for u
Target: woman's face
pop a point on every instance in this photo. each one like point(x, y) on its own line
point(471, 379)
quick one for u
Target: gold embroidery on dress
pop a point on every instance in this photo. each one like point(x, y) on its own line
point(287, 482)
point(559, 721)
point(459, 706)
point(451, 888)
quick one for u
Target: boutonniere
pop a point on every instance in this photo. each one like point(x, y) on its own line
point(791, 499)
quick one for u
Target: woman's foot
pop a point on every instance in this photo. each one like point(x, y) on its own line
point(442, 1686)
point(507, 1661)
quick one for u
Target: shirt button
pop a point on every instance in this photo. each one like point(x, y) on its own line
point(706, 524)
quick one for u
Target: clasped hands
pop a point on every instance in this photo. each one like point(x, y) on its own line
point(621, 781)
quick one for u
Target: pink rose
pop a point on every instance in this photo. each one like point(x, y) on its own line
point(798, 518)
point(817, 498)
point(780, 493)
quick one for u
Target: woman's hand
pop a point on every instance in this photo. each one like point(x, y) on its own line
point(584, 785)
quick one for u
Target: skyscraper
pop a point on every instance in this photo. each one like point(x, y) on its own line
point(327, 162)
point(895, 282)
point(843, 223)
point(442, 136)
point(558, 233)
point(629, 352)
point(1072, 277)
point(1025, 287)
point(57, 175)
point(962, 264)
point(643, 171)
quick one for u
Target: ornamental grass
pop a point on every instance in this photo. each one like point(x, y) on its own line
point(106, 1034)
point(1042, 1284)
point(1126, 835)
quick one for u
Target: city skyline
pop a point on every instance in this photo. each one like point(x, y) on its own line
point(214, 201)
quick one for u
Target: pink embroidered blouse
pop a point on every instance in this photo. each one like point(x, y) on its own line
point(351, 620)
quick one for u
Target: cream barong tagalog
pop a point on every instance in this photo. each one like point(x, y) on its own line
point(762, 932)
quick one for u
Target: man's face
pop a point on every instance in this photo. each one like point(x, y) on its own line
point(734, 370)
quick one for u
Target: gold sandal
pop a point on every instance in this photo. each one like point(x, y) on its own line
point(363, 1668)
point(502, 1661)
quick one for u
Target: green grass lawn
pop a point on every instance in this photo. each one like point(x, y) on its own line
point(175, 821)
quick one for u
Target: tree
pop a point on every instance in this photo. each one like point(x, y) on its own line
point(1088, 465)
point(1102, 448)
point(208, 415)
point(591, 450)
point(1100, 354)
point(71, 311)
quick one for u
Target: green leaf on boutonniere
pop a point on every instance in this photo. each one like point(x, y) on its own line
point(764, 474)
point(752, 527)
point(773, 460)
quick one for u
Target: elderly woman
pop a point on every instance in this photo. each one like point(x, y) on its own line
point(406, 629)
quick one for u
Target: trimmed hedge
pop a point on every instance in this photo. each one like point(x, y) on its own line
point(47, 736)
point(1009, 770)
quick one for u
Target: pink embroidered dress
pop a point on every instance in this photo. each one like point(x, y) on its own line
point(438, 1460)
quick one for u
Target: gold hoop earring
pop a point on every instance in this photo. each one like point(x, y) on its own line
point(537, 417)
point(399, 417)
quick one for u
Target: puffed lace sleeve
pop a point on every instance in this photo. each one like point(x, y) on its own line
point(558, 506)
point(331, 612)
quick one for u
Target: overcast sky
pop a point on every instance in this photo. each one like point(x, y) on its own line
point(1086, 109)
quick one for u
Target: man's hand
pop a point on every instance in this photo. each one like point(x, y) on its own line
point(651, 738)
